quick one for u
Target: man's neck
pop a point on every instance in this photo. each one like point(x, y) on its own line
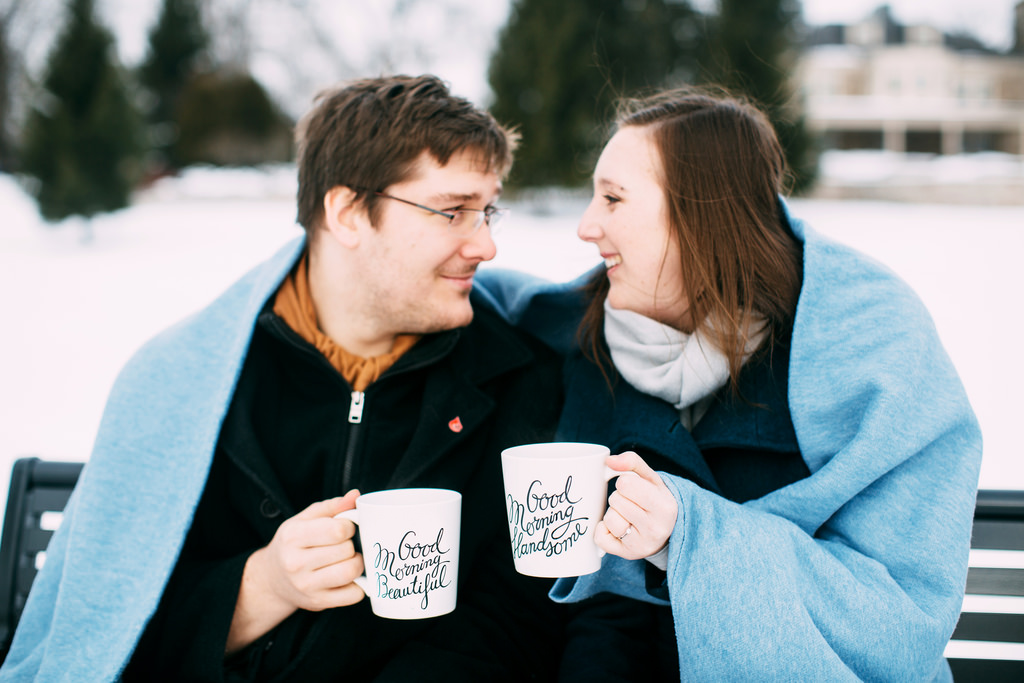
point(338, 314)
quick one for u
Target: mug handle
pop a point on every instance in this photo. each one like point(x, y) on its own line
point(353, 516)
point(609, 474)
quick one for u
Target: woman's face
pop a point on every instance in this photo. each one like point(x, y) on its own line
point(627, 220)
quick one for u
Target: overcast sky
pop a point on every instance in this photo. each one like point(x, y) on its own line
point(989, 20)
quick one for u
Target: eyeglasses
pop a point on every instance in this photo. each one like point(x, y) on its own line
point(462, 222)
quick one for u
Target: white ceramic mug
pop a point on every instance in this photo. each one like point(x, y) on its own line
point(555, 494)
point(410, 543)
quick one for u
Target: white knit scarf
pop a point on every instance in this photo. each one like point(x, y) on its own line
point(682, 369)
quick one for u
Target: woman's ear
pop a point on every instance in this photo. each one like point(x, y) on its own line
point(343, 214)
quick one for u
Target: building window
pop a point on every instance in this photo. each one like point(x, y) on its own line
point(852, 139)
point(986, 141)
point(924, 141)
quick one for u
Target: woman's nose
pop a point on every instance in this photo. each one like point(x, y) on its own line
point(589, 229)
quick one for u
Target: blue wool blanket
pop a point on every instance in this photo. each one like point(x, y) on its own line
point(126, 522)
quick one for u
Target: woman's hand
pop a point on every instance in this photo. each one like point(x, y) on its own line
point(641, 511)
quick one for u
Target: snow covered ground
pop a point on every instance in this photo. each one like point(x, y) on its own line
point(981, 178)
point(78, 302)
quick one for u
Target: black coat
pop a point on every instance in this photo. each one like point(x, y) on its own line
point(743, 448)
point(287, 442)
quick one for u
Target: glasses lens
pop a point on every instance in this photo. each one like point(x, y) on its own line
point(495, 217)
point(467, 221)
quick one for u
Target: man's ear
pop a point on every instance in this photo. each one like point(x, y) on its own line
point(343, 215)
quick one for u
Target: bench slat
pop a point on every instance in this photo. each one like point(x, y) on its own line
point(986, 671)
point(998, 534)
point(1006, 628)
point(995, 581)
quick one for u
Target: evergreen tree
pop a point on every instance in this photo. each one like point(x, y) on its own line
point(6, 153)
point(226, 117)
point(13, 38)
point(81, 141)
point(177, 43)
point(560, 66)
point(750, 48)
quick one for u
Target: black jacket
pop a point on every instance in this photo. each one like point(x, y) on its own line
point(287, 442)
point(743, 448)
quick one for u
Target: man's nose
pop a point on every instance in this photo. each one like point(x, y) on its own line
point(480, 245)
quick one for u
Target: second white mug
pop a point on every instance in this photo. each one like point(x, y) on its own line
point(555, 494)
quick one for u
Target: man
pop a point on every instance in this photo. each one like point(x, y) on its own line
point(202, 542)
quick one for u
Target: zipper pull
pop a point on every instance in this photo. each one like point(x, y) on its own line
point(355, 409)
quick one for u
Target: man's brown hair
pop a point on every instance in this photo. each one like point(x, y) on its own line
point(367, 135)
point(722, 171)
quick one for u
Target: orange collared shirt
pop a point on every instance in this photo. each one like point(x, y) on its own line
point(294, 304)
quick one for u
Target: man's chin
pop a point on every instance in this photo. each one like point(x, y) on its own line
point(452, 319)
point(464, 318)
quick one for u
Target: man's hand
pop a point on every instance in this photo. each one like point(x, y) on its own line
point(309, 564)
point(641, 511)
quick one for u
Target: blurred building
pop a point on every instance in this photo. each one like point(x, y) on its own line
point(882, 85)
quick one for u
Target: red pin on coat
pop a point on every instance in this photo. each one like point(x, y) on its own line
point(455, 424)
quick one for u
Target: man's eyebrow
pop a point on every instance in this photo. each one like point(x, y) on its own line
point(449, 197)
point(455, 197)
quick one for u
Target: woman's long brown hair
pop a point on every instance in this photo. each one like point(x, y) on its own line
point(723, 170)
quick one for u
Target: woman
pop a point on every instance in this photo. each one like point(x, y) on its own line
point(807, 456)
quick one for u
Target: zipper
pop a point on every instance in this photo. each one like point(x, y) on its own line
point(355, 418)
point(355, 408)
point(357, 403)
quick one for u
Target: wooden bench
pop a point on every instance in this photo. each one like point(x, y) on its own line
point(37, 494)
point(988, 644)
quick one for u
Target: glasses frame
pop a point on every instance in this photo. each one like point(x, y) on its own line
point(486, 215)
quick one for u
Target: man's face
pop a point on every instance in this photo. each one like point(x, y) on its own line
point(415, 273)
